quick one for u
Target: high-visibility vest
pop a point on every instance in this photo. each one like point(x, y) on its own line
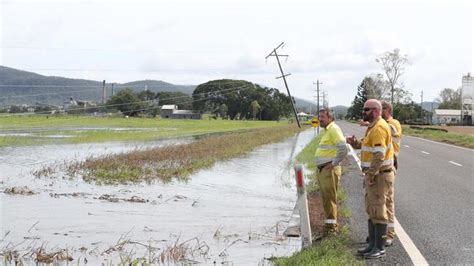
point(377, 138)
point(327, 149)
point(396, 129)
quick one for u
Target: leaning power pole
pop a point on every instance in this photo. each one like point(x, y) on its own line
point(274, 53)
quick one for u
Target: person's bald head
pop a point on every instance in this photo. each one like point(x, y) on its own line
point(373, 103)
point(372, 110)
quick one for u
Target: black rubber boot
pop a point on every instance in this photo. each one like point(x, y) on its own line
point(371, 240)
point(379, 248)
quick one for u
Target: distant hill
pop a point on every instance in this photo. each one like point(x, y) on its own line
point(22, 87)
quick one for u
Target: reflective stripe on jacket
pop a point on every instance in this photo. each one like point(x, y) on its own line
point(377, 138)
point(332, 146)
point(396, 134)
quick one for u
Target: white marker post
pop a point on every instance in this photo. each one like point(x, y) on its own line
point(306, 238)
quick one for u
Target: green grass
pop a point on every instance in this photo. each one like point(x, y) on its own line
point(332, 250)
point(329, 251)
point(464, 140)
point(81, 129)
point(176, 161)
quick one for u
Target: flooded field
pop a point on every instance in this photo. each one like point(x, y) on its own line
point(232, 213)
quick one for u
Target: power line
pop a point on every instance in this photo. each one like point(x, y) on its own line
point(144, 101)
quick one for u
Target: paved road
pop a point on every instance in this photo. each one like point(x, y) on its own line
point(434, 200)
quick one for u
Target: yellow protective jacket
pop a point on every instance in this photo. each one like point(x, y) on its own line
point(376, 148)
point(396, 130)
point(332, 146)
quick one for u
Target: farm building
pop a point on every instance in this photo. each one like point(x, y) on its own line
point(171, 111)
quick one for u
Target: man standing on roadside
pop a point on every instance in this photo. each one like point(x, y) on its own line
point(377, 165)
point(396, 130)
point(330, 152)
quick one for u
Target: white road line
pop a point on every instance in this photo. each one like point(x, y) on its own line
point(455, 163)
point(406, 146)
point(407, 243)
point(440, 143)
point(425, 152)
point(409, 246)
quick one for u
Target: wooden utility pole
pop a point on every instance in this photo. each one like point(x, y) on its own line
point(103, 92)
point(274, 53)
point(112, 89)
point(421, 105)
point(317, 98)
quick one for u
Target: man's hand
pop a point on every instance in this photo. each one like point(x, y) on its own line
point(351, 140)
point(363, 123)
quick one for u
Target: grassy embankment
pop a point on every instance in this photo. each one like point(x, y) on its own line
point(464, 140)
point(42, 129)
point(331, 250)
point(177, 161)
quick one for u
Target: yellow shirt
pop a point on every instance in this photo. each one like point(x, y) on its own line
point(378, 139)
point(396, 130)
point(332, 146)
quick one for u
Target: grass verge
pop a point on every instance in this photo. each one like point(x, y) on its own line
point(329, 251)
point(333, 250)
point(463, 140)
point(177, 161)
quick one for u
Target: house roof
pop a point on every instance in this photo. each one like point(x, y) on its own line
point(447, 112)
point(169, 107)
point(184, 112)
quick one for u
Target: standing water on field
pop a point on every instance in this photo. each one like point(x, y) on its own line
point(232, 213)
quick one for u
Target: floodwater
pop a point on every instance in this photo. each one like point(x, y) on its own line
point(233, 213)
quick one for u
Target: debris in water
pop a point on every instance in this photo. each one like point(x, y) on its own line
point(19, 191)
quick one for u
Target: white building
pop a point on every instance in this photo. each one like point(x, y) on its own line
point(446, 116)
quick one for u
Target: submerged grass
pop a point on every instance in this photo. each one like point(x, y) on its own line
point(464, 140)
point(42, 129)
point(178, 161)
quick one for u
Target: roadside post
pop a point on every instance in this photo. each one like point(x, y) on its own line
point(302, 203)
point(315, 124)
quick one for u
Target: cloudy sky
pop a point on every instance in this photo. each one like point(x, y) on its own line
point(184, 42)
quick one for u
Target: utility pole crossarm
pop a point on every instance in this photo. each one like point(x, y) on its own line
point(283, 75)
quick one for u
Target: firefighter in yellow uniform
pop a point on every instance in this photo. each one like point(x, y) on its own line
point(396, 130)
point(330, 152)
point(377, 165)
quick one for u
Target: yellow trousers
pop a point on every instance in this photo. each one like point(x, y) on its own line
point(328, 181)
point(376, 197)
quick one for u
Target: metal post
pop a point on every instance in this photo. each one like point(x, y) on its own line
point(305, 228)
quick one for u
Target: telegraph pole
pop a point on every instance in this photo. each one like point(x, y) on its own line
point(317, 98)
point(421, 105)
point(274, 53)
point(113, 89)
point(103, 91)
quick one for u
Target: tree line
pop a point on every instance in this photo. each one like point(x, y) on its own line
point(389, 87)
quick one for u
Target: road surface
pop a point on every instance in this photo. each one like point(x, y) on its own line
point(434, 200)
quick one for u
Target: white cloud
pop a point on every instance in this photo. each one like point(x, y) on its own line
point(187, 42)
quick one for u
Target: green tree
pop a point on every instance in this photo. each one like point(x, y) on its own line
point(449, 99)
point(148, 102)
point(355, 110)
point(238, 96)
point(255, 108)
point(127, 102)
point(223, 110)
point(182, 100)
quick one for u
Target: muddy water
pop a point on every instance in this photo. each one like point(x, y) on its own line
point(235, 211)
